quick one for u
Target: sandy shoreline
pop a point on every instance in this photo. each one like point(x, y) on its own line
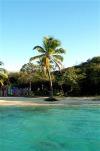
point(21, 101)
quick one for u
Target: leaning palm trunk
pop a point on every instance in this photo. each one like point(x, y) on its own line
point(51, 87)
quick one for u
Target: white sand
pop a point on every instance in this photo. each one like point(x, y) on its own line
point(22, 103)
point(74, 101)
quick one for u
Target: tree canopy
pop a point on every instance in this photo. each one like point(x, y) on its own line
point(3, 74)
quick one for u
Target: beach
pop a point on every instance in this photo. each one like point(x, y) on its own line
point(40, 101)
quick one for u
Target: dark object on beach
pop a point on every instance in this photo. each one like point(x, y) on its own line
point(51, 99)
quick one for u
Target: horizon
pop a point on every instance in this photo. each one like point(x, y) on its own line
point(23, 24)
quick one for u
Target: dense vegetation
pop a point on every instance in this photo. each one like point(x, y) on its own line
point(47, 77)
point(80, 80)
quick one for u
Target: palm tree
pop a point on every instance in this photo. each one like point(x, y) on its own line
point(3, 74)
point(50, 57)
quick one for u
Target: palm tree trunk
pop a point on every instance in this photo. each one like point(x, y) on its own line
point(51, 87)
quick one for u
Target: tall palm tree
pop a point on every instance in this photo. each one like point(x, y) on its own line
point(3, 74)
point(50, 57)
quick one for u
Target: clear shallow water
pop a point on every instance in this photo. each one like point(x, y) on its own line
point(49, 128)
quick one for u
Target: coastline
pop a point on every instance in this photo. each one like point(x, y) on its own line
point(21, 103)
point(39, 101)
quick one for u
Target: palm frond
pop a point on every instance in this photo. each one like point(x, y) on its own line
point(60, 51)
point(39, 49)
point(57, 64)
point(55, 43)
point(3, 75)
point(36, 57)
point(1, 82)
point(50, 57)
point(58, 57)
point(45, 43)
point(51, 51)
point(50, 42)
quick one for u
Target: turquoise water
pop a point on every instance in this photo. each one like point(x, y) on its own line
point(49, 128)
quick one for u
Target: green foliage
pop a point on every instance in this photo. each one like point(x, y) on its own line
point(3, 74)
point(91, 83)
point(13, 78)
point(83, 79)
point(51, 53)
point(50, 57)
point(28, 68)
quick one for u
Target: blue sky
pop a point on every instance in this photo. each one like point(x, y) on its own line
point(24, 23)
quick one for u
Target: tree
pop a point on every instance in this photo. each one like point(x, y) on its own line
point(50, 57)
point(26, 73)
point(3, 74)
point(72, 77)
